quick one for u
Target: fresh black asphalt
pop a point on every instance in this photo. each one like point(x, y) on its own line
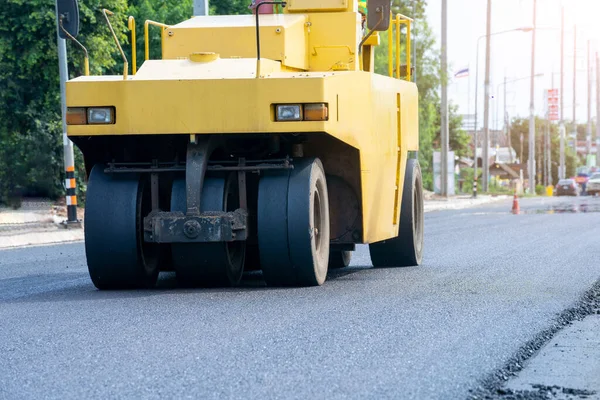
point(490, 283)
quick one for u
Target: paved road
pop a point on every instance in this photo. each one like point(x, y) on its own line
point(490, 282)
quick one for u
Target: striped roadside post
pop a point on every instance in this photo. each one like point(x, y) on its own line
point(69, 158)
point(475, 187)
point(71, 185)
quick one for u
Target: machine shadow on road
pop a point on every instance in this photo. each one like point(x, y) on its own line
point(74, 287)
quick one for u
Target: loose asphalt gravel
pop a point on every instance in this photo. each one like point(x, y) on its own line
point(491, 284)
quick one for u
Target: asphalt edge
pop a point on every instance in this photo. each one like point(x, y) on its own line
point(492, 387)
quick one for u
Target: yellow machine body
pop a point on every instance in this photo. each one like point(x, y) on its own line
point(310, 55)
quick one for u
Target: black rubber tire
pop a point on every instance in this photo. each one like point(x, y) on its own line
point(405, 250)
point(339, 259)
point(117, 256)
point(208, 264)
point(293, 225)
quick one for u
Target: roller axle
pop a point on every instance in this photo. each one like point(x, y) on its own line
point(209, 227)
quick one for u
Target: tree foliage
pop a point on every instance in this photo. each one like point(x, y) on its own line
point(229, 7)
point(520, 129)
point(30, 127)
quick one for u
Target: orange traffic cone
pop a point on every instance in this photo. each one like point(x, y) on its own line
point(515, 208)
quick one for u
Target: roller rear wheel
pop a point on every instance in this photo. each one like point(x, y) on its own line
point(117, 256)
point(339, 259)
point(293, 225)
point(406, 250)
point(208, 264)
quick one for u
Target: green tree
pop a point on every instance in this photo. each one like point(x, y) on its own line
point(229, 7)
point(459, 139)
point(520, 128)
point(30, 127)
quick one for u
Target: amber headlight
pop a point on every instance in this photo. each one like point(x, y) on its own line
point(302, 112)
point(90, 115)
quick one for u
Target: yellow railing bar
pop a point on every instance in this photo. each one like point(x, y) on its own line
point(408, 51)
point(404, 17)
point(112, 31)
point(146, 36)
point(131, 26)
point(398, 22)
point(391, 50)
point(398, 59)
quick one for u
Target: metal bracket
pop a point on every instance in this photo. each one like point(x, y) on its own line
point(198, 154)
point(208, 227)
point(242, 185)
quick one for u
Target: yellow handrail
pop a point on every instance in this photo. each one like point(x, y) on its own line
point(131, 26)
point(398, 40)
point(112, 31)
point(146, 36)
point(408, 51)
point(398, 22)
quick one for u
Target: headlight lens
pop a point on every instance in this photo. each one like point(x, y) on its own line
point(302, 112)
point(101, 115)
point(289, 112)
point(90, 115)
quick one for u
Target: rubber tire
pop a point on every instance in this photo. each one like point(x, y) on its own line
point(405, 250)
point(292, 208)
point(204, 264)
point(117, 256)
point(339, 259)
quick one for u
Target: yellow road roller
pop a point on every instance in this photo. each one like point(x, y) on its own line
point(257, 142)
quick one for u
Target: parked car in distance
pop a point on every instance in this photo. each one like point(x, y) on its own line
point(582, 179)
point(566, 187)
point(593, 184)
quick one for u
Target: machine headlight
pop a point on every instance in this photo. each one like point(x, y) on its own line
point(101, 115)
point(90, 115)
point(302, 112)
point(289, 112)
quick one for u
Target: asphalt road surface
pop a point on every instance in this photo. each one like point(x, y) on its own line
point(490, 283)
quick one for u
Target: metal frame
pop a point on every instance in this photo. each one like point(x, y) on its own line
point(257, 8)
point(147, 36)
point(86, 56)
point(195, 226)
point(106, 13)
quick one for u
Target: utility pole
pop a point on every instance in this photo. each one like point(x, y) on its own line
point(200, 7)
point(505, 128)
point(444, 105)
point(597, 109)
point(562, 169)
point(69, 157)
point(574, 131)
point(588, 136)
point(532, 107)
point(486, 113)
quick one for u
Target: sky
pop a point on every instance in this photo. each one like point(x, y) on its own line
point(511, 53)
